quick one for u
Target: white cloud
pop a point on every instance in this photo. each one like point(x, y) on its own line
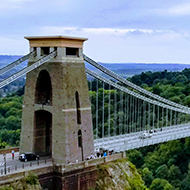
point(115, 44)
point(115, 32)
point(179, 10)
point(129, 45)
point(51, 30)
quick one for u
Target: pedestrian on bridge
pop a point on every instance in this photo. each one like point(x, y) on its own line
point(13, 154)
point(92, 156)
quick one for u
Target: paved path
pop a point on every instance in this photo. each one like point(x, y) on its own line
point(10, 163)
point(8, 158)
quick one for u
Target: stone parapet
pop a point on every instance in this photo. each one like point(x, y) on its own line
point(87, 163)
point(9, 150)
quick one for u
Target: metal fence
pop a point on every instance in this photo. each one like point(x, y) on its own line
point(24, 165)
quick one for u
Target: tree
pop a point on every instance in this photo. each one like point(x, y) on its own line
point(185, 184)
point(152, 161)
point(13, 123)
point(2, 144)
point(14, 112)
point(176, 99)
point(187, 101)
point(161, 184)
point(181, 78)
point(157, 89)
point(176, 183)
point(10, 136)
point(186, 90)
point(162, 171)
point(174, 173)
point(168, 187)
point(2, 122)
point(135, 157)
point(187, 145)
point(170, 152)
point(147, 176)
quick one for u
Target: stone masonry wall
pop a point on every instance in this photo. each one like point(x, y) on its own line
point(76, 176)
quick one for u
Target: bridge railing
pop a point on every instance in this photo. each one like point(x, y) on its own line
point(24, 165)
point(59, 168)
point(149, 141)
point(136, 134)
point(122, 143)
point(89, 163)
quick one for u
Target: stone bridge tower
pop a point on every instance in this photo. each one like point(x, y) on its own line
point(56, 116)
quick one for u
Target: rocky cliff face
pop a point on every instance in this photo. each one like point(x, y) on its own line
point(119, 175)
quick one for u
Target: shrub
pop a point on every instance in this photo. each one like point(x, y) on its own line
point(31, 179)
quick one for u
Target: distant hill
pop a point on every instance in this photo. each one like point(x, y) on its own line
point(19, 83)
point(124, 69)
point(130, 69)
point(7, 59)
point(4, 59)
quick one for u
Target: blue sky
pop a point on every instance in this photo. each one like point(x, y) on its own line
point(142, 31)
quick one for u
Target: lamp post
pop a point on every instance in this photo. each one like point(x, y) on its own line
point(5, 163)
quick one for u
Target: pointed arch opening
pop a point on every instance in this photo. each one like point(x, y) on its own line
point(78, 107)
point(43, 94)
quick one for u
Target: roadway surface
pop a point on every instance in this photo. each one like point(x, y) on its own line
point(16, 163)
point(9, 160)
point(117, 143)
point(133, 140)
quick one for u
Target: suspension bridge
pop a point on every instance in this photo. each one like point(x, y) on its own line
point(121, 110)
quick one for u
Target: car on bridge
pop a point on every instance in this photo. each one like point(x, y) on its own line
point(28, 157)
point(145, 135)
